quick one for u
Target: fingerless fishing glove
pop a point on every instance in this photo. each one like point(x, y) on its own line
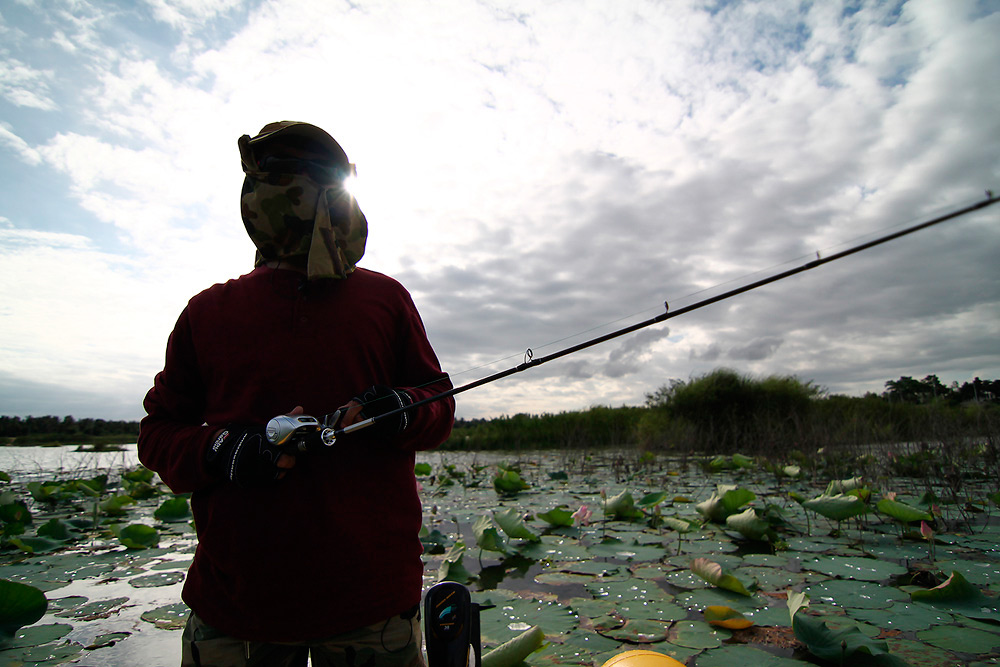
point(379, 400)
point(243, 455)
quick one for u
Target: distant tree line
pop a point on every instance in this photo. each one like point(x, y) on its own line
point(721, 411)
point(49, 429)
point(931, 389)
point(725, 411)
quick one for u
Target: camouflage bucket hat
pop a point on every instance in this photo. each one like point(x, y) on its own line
point(294, 204)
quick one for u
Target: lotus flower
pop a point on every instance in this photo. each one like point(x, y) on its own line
point(926, 530)
point(582, 516)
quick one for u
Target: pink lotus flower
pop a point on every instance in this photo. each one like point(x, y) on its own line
point(582, 516)
point(891, 495)
point(926, 531)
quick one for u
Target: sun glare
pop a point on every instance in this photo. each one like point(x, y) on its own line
point(351, 185)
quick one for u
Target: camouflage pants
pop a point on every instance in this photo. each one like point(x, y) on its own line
point(395, 642)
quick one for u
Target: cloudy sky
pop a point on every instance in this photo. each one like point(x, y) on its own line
point(536, 173)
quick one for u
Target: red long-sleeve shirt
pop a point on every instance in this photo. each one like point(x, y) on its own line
point(333, 546)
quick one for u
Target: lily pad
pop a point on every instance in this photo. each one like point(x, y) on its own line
point(109, 639)
point(854, 594)
point(902, 616)
point(920, 654)
point(168, 617)
point(955, 638)
point(551, 547)
point(627, 552)
point(158, 579)
point(46, 654)
point(728, 656)
point(94, 610)
point(512, 616)
point(848, 567)
point(697, 634)
point(639, 631)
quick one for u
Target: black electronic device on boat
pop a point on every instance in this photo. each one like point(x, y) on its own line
point(451, 626)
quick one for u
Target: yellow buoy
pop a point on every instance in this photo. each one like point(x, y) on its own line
point(642, 658)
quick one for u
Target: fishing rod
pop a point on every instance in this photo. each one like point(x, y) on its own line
point(297, 430)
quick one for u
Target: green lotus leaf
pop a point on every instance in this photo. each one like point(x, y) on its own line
point(173, 510)
point(512, 523)
point(422, 469)
point(452, 567)
point(796, 601)
point(728, 656)
point(851, 594)
point(513, 615)
point(922, 654)
point(15, 511)
point(45, 654)
point(955, 638)
point(829, 644)
point(714, 574)
point(554, 547)
point(57, 530)
point(850, 567)
point(621, 506)
point(93, 610)
point(115, 505)
point(20, 605)
point(168, 617)
point(488, 537)
point(156, 580)
point(619, 550)
point(139, 536)
point(836, 507)
point(902, 512)
point(36, 545)
point(840, 486)
point(726, 500)
point(697, 634)
point(509, 483)
point(750, 526)
point(638, 631)
point(902, 616)
point(36, 635)
point(959, 596)
point(651, 499)
point(678, 524)
point(557, 516)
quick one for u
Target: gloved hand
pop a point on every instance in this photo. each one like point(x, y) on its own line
point(379, 400)
point(242, 454)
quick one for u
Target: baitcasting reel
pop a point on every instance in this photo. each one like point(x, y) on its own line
point(299, 432)
point(302, 433)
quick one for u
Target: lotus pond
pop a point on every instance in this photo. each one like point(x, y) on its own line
point(723, 561)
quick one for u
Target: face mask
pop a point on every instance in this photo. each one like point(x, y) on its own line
point(316, 226)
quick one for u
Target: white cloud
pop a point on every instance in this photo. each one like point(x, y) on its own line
point(533, 171)
point(25, 86)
